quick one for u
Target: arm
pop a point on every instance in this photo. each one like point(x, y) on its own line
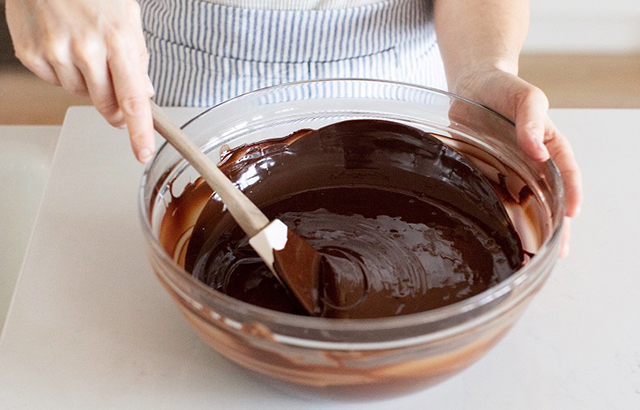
point(92, 47)
point(480, 33)
point(480, 42)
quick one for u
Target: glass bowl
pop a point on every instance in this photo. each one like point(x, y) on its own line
point(356, 358)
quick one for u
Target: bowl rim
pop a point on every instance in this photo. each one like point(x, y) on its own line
point(255, 313)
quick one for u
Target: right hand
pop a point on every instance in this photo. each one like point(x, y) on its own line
point(93, 47)
point(537, 136)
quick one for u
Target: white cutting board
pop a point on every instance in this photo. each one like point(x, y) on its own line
point(25, 160)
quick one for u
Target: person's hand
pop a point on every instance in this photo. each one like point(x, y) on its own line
point(93, 47)
point(537, 136)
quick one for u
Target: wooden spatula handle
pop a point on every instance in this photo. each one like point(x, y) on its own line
point(245, 212)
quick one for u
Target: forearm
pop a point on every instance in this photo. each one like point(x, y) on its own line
point(480, 35)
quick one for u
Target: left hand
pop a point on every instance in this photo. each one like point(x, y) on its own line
point(527, 106)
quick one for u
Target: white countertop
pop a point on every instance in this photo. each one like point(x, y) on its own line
point(91, 328)
point(25, 161)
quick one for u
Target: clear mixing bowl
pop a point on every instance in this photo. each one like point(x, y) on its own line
point(356, 358)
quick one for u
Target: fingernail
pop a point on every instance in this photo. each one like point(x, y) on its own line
point(122, 127)
point(145, 155)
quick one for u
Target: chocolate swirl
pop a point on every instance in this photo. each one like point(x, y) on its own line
point(404, 222)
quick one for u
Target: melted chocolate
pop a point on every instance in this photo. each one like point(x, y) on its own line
point(405, 223)
point(298, 266)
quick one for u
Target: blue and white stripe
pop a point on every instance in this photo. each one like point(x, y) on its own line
point(203, 53)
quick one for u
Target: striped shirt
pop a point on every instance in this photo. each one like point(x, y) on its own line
point(295, 4)
point(203, 53)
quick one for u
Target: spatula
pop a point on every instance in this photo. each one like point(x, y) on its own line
point(291, 258)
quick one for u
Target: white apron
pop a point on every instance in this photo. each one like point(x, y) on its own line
point(203, 53)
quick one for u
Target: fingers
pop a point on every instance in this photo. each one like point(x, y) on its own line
point(143, 54)
point(566, 237)
point(537, 136)
point(94, 48)
point(562, 154)
point(40, 67)
point(127, 61)
point(531, 117)
point(91, 57)
point(67, 73)
point(56, 51)
point(540, 139)
point(132, 94)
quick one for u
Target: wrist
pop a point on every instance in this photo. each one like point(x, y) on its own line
point(459, 77)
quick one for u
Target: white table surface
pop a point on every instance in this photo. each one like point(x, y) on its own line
point(91, 328)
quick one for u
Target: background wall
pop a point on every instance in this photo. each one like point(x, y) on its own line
point(584, 26)
point(582, 53)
